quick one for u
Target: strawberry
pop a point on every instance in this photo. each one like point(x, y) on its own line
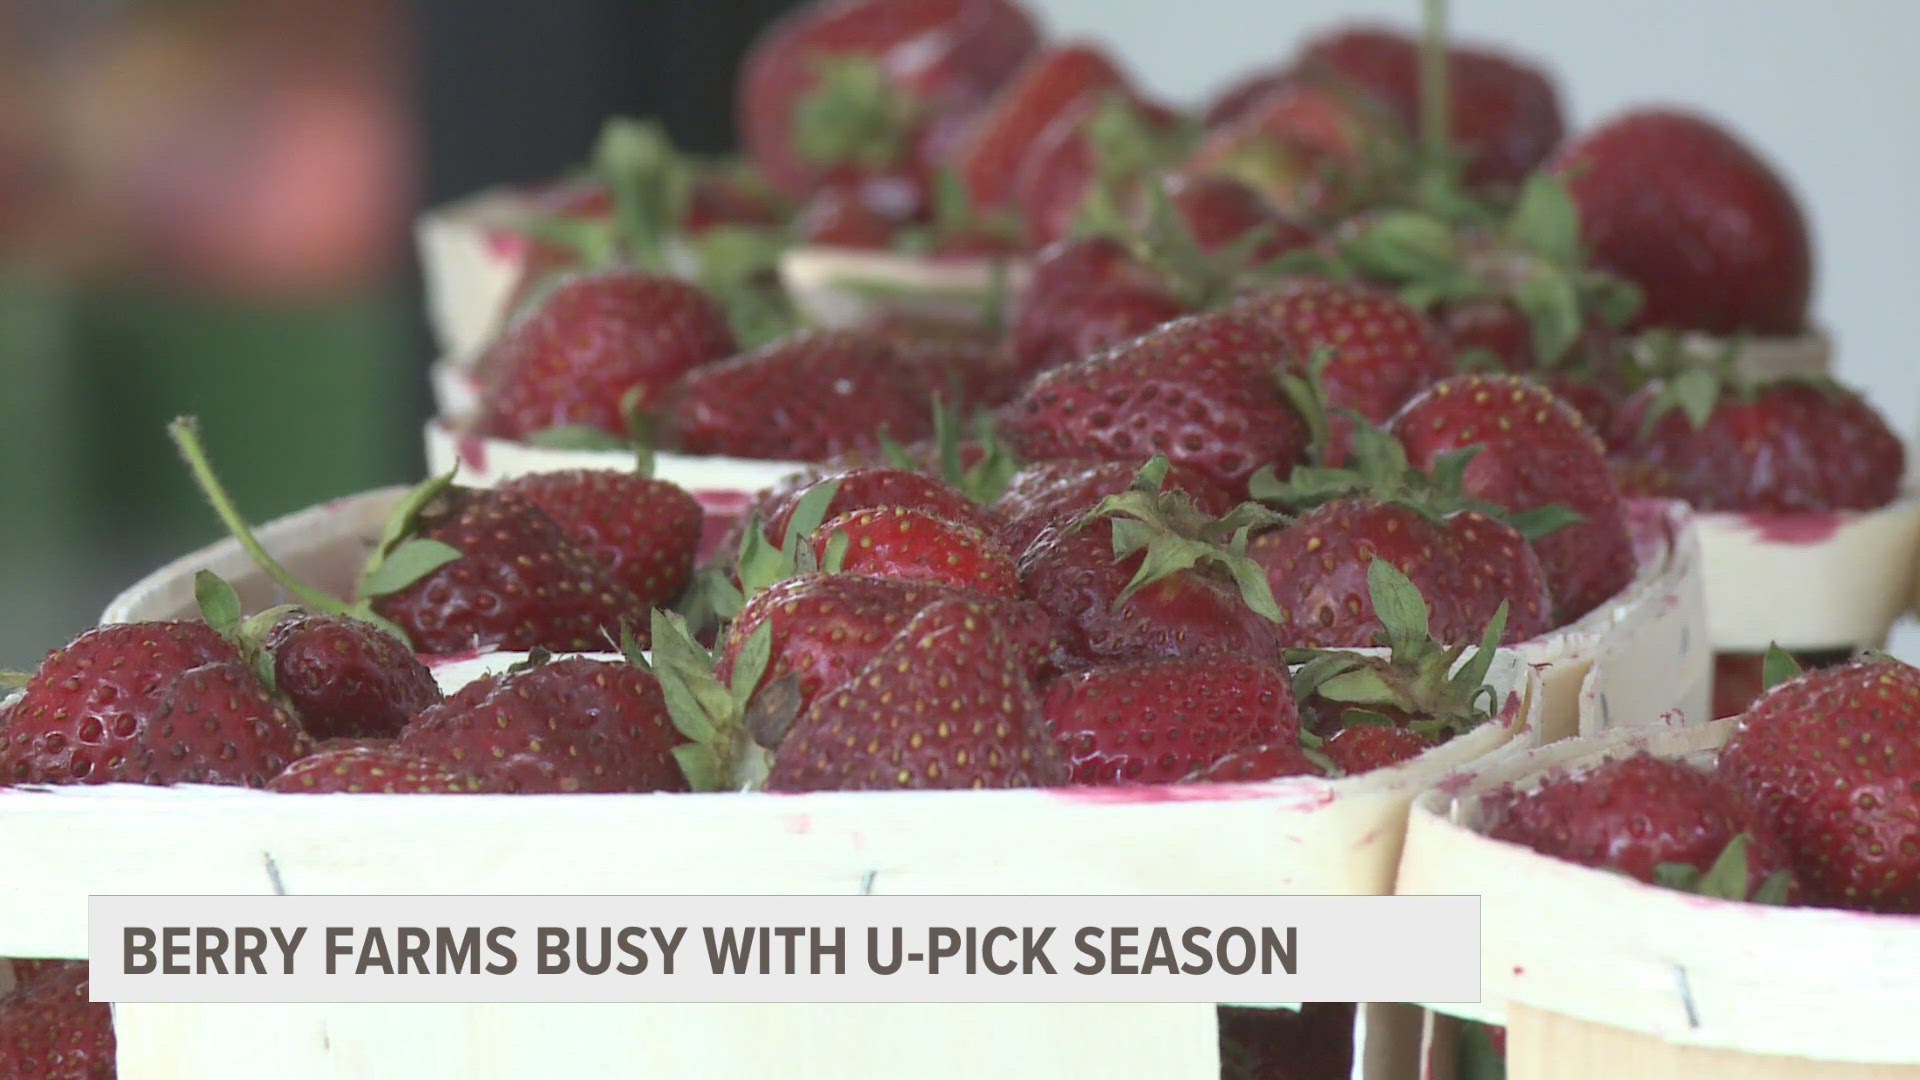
point(516, 582)
point(852, 84)
point(346, 678)
point(147, 703)
point(946, 703)
point(868, 487)
point(597, 348)
point(826, 627)
point(1366, 711)
point(1503, 113)
point(1087, 165)
point(559, 726)
point(1534, 452)
point(835, 391)
point(1365, 747)
point(1701, 223)
point(49, 1030)
point(1220, 211)
point(1158, 721)
point(1203, 390)
point(1787, 446)
point(1269, 761)
point(1147, 574)
point(837, 216)
point(913, 545)
point(1379, 351)
point(1830, 761)
point(1087, 264)
point(1312, 151)
point(1643, 816)
point(643, 531)
point(384, 770)
point(454, 569)
point(1055, 82)
point(1466, 558)
point(1466, 564)
point(1591, 380)
point(1059, 329)
point(1055, 492)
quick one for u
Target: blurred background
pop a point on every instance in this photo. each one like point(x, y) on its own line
point(205, 207)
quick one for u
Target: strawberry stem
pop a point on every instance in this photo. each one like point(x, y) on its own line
point(185, 433)
point(1435, 107)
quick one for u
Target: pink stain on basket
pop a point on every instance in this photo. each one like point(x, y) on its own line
point(473, 452)
point(1285, 795)
point(800, 824)
point(507, 245)
point(440, 660)
point(1795, 529)
point(724, 510)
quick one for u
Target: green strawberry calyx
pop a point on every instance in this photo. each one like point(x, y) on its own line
point(1695, 381)
point(1443, 689)
point(1726, 879)
point(1171, 534)
point(983, 481)
point(718, 596)
point(1380, 470)
point(399, 560)
point(731, 728)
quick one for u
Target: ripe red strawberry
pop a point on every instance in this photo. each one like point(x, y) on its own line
point(50, 1031)
point(1220, 211)
point(1055, 492)
point(1830, 761)
point(1465, 565)
point(1158, 721)
point(1535, 451)
point(1088, 166)
point(945, 704)
point(837, 216)
point(1058, 329)
point(715, 200)
point(1072, 572)
point(913, 545)
point(1739, 678)
point(1312, 151)
point(1380, 352)
point(598, 345)
point(1589, 378)
point(376, 769)
point(519, 582)
point(1504, 113)
point(831, 392)
point(1633, 814)
point(850, 83)
point(1269, 762)
point(644, 531)
point(1785, 447)
point(1054, 82)
point(346, 678)
point(1682, 208)
point(147, 703)
point(562, 726)
point(1084, 264)
point(826, 627)
point(867, 487)
point(1363, 748)
point(1203, 390)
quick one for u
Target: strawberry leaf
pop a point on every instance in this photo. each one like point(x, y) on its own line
point(219, 604)
point(836, 558)
point(1778, 667)
point(407, 564)
point(1398, 605)
point(1543, 520)
point(853, 116)
point(751, 663)
point(1546, 221)
point(1552, 308)
point(1362, 686)
point(700, 765)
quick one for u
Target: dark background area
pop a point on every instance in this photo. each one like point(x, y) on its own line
point(305, 393)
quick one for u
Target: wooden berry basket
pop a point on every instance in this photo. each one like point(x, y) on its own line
point(846, 287)
point(1809, 581)
point(1596, 975)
